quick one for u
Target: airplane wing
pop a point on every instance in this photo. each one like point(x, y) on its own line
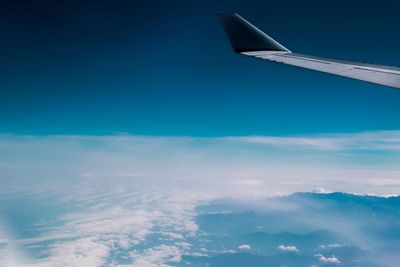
point(248, 40)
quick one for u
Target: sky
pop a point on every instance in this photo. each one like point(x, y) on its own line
point(166, 68)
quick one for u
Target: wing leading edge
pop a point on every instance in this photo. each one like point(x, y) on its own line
point(248, 40)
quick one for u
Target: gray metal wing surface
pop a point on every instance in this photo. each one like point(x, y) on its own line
point(248, 40)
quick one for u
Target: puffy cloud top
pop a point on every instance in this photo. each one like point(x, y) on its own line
point(288, 248)
point(331, 259)
point(244, 247)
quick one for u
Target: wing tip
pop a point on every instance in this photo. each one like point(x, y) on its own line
point(245, 37)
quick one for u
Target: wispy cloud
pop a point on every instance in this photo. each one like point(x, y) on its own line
point(332, 246)
point(383, 140)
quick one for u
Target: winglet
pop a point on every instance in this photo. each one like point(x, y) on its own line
point(245, 37)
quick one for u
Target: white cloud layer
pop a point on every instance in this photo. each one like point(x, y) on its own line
point(125, 188)
point(117, 221)
point(251, 166)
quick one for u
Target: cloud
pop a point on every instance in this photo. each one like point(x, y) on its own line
point(115, 174)
point(198, 254)
point(324, 259)
point(320, 190)
point(288, 248)
point(122, 189)
point(321, 143)
point(86, 251)
point(239, 166)
point(229, 251)
point(332, 246)
point(244, 247)
point(380, 140)
point(113, 220)
point(172, 235)
point(158, 256)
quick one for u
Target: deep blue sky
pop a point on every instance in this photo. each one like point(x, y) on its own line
point(166, 68)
